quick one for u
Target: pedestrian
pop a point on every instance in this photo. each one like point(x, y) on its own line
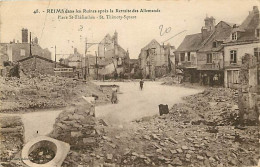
point(114, 99)
point(141, 84)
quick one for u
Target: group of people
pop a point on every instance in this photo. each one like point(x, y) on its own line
point(114, 98)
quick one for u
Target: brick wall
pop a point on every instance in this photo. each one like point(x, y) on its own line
point(42, 66)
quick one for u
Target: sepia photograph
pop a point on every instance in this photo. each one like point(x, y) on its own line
point(141, 83)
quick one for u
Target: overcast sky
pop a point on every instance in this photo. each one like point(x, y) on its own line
point(181, 16)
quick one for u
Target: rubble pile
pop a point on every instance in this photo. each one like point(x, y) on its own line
point(214, 106)
point(169, 80)
point(41, 155)
point(12, 138)
point(162, 141)
point(45, 91)
point(173, 140)
point(78, 127)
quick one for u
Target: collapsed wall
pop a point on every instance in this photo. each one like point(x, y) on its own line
point(248, 110)
point(77, 126)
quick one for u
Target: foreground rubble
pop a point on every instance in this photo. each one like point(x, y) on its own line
point(196, 133)
point(44, 92)
point(12, 138)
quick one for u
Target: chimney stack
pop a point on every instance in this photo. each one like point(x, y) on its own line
point(255, 9)
point(210, 23)
point(35, 41)
point(24, 35)
point(116, 37)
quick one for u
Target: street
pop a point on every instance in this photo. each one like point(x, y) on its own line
point(135, 104)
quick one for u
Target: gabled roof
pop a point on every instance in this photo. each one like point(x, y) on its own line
point(152, 41)
point(190, 43)
point(252, 20)
point(247, 29)
point(222, 32)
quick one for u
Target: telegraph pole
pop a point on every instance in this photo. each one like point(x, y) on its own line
point(55, 56)
point(86, 48)
point(30, 44)
point(96, 64)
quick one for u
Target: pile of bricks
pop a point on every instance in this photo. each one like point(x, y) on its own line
point(76, 126)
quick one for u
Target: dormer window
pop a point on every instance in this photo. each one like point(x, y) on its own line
point(234, 36)
point(214, 45)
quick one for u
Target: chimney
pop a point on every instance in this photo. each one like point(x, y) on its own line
point(116, 37)
point(35, 41)
point(210, 23)
point(204, 32)
point(75, 51)
point(24, 35)
point(255, 9)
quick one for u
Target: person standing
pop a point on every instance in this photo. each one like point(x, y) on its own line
point(114, 95)
point(141, 84)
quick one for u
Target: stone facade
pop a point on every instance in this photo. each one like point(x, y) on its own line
point(248, 90)
point(155, 59)
point(112, 56)
point(18, 51)
point(232, 69)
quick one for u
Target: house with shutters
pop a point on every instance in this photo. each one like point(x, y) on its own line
point(186, 53)
point(243, 40)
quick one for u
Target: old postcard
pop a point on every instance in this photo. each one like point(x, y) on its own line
point(129, 83)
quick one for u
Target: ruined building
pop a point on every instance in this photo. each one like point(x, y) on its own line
point(156, 60)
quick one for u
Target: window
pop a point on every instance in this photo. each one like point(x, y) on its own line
point(214, 45)
point(257, 33)
point(233, 56)
point(209, 58)
point(234, 36)
point(257, 53)
point(188, 56)
point(22, 52)
point(182, 56)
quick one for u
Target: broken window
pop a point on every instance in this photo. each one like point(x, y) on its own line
point(209, 58)
point(233, 56)
point(257, 53)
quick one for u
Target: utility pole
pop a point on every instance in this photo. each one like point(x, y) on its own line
point(86, 48)
point(96, 64)
point(55, 56)
point(30, 44)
